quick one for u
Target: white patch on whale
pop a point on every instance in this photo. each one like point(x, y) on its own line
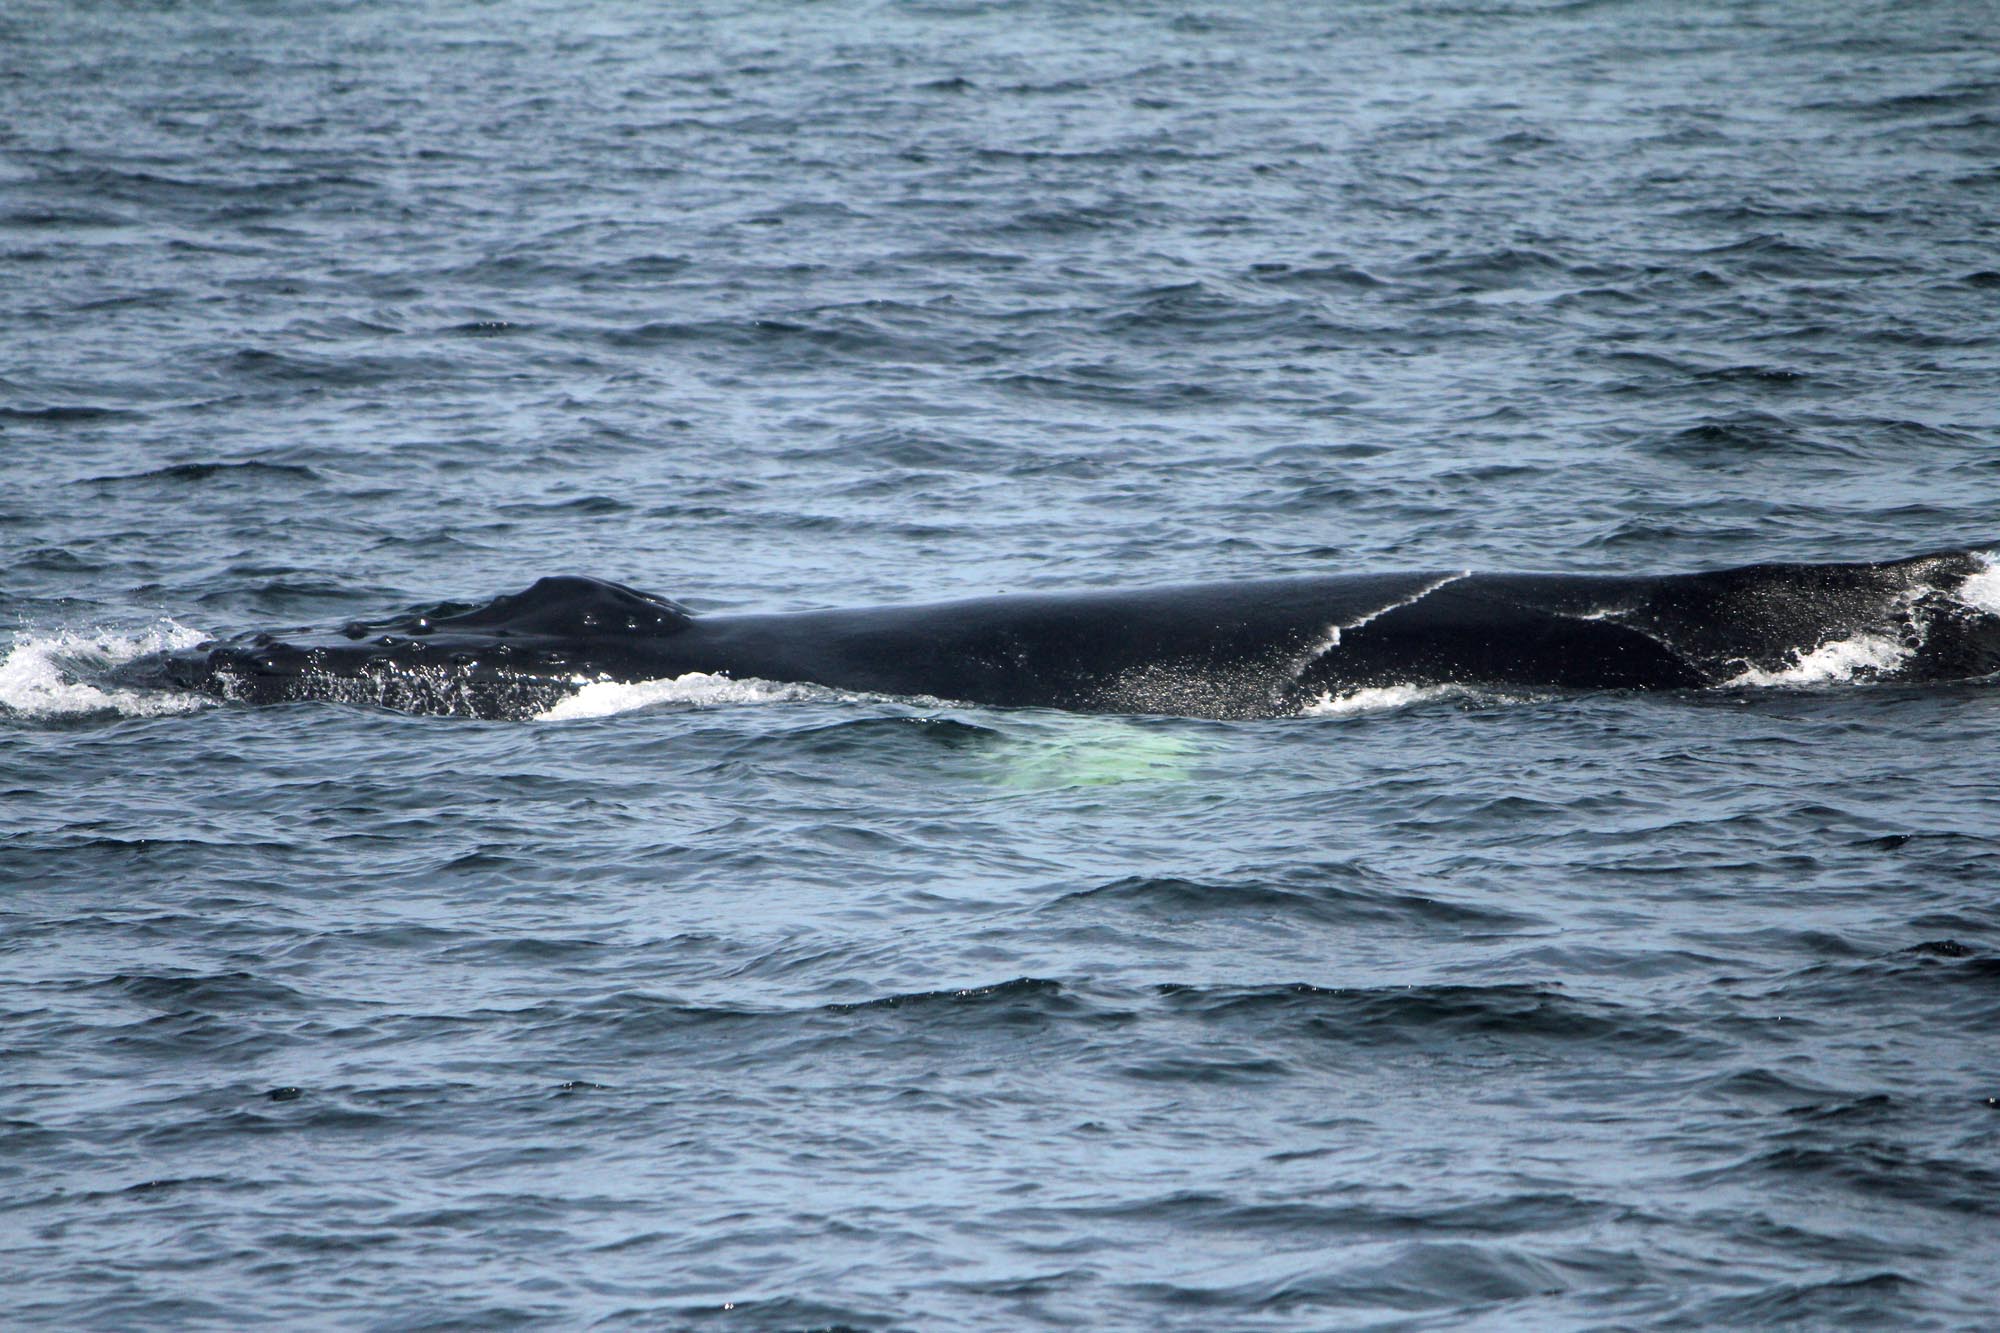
point(1330, 640)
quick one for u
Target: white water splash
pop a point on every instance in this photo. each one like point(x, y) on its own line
point(1981, 590)
point(1842, 660)
point(39, 675)
point(1872, 653)
point(697, 689)
point(1378, 699)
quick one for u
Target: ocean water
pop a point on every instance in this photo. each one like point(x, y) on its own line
point(710, 1003)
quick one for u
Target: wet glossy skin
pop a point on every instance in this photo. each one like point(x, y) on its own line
point(1216, 650)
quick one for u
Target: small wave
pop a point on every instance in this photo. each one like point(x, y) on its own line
point(697, 689)
point(1382, 1015)
point(1034, 992)
point(39, 675)
point(1334, 892)
point(62, 413)
point(210, 471)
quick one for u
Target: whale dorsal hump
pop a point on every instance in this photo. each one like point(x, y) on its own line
point(566, 607)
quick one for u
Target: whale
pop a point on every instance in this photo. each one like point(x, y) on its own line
point(1229, 650)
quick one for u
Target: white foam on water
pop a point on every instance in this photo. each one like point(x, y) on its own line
point(39, 675)
point(1981, 590)
point(697, 689)
point(1841, 660)
point(1377, 699)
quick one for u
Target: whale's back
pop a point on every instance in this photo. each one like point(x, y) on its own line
point(1225, 650)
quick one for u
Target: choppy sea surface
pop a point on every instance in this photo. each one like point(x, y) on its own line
point(715, 1004)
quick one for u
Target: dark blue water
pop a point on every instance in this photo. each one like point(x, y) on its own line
point(731, 1005)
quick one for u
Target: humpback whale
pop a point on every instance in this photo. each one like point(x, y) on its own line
point(1259, 648)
